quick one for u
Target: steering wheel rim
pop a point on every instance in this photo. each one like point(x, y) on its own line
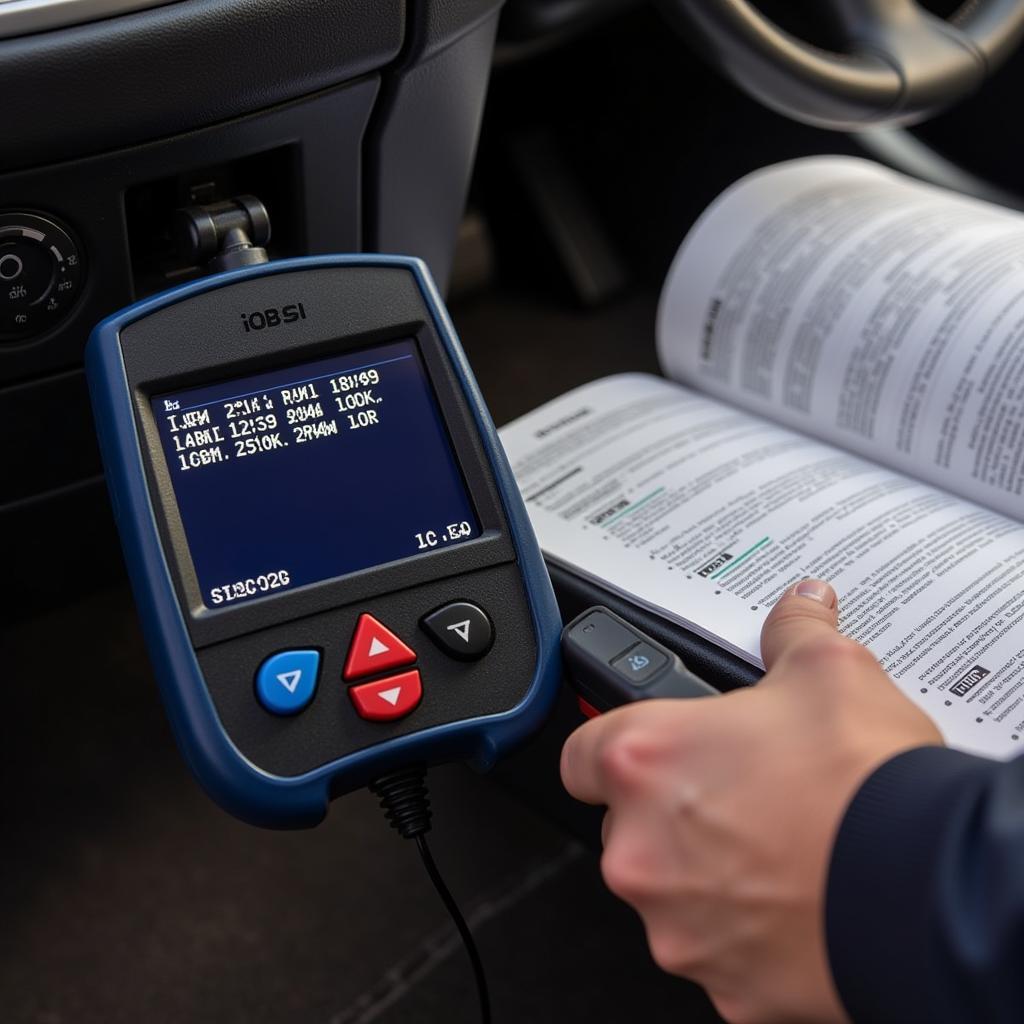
point(904, 64)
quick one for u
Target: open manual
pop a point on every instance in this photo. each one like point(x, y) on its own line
point(845, 348)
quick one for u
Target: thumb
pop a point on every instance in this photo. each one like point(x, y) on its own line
point(804, 611)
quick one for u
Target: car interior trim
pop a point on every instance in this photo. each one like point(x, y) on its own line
point(25, 17)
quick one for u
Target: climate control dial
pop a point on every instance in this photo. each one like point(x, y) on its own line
point(41, 274)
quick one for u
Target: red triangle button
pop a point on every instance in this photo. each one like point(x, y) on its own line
point(375, 648)
point(388, 699)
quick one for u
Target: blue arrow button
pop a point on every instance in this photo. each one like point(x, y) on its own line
point(286, 681)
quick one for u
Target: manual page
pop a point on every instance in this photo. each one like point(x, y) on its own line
point(706, 514)
point(886, 316)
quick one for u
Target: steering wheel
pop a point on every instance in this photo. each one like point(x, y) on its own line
point(903, 63)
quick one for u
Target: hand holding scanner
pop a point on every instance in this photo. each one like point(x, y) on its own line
point(610, 662)
point(334, 569)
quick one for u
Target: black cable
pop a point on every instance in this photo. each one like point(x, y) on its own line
point(460, 923)
point(403, 796)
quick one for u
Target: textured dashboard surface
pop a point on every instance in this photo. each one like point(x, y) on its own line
point(141, 76)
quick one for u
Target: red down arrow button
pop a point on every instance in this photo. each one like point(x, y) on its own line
point(388, 699)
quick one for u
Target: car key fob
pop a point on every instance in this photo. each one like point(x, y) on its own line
point(609, 662)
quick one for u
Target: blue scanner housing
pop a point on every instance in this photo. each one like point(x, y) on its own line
point(207, 657)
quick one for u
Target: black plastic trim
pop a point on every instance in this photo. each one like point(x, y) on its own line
point(160, 72)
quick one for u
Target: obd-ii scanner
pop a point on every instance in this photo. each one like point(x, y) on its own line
point(335, 573)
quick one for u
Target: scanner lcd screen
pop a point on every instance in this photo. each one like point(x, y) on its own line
point(306, 473)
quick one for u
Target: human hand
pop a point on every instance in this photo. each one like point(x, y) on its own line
point(722, 812)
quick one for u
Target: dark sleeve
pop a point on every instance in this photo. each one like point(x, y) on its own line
point(925, 900)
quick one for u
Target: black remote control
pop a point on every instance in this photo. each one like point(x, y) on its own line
point(610, 662)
